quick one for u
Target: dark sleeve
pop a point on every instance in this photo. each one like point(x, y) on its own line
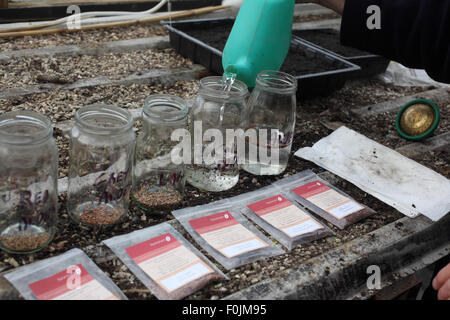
point(415, 33)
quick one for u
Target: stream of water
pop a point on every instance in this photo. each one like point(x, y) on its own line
point(228, 79)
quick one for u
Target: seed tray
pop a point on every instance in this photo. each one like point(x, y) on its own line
point(371, 64)
point(311, 84)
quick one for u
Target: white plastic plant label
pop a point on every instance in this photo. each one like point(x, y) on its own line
point(168, 262)
point(70, 276)
point(165, 262)
point(225, 234)
point(285, 216)
point(73, 283)
point(328, 199)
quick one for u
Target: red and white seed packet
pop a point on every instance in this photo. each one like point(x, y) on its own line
point(164, 261)
point(226, 234)
point(70, 276)
point(283, 219)
point(324, 199)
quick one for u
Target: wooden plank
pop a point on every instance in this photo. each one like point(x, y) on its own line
point(132, 22)
point(398, 288)
point(3, 3)
point(163, 76)
point(436, 95)
point(161, 42)
point(415, 149)
point(336, 273)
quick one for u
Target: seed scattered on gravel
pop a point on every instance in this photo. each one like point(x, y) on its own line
point(24, 242)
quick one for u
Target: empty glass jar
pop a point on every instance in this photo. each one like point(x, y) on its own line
point(101, 160)
point(28, 182)
point(272, 113)
point(158, 182)
point(214, 164)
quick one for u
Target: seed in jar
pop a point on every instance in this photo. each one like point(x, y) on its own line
point(100, 215)
point(154, 196)
point(24, 241)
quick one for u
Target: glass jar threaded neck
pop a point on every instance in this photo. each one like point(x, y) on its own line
point(24, 127)
point(213, 87)
point(276, 81)
point(165, 108)
point(104, 120)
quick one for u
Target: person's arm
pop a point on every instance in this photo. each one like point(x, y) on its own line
point(336, 5)
point(441, 283)
point(415, 33)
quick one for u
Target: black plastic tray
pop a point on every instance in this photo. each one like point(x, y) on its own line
point(371, 64)
point(310, 85)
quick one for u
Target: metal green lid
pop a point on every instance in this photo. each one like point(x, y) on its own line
point(417, 119)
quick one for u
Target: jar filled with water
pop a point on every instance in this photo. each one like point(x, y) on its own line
point(28, 182)
point(271, 115)
point(220, 105)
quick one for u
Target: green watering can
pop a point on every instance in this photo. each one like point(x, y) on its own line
point(260, 38)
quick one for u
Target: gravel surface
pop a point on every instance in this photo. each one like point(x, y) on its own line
point(35, 70)
point(60, 106)
point(89, 38)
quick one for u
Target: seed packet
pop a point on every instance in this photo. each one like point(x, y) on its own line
point(226, 234)
point(283, 219)
point(70, 276)
point(165, 262)
point(324, 199)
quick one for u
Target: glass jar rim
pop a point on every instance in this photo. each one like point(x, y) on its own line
point(179, 107)
point(109, 111)
point(212, 86)
point(277, 81)
point(25, 119)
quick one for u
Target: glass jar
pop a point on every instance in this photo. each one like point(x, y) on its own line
point(272, 106)
point(28, 182)
point(158, 182)
point(101, 159)
point(215, 111)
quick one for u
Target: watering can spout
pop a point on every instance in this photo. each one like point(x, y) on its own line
point(260, 38)
point(241, 70)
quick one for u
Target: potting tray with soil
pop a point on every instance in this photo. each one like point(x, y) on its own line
point(318, 72)
point(329, 40)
